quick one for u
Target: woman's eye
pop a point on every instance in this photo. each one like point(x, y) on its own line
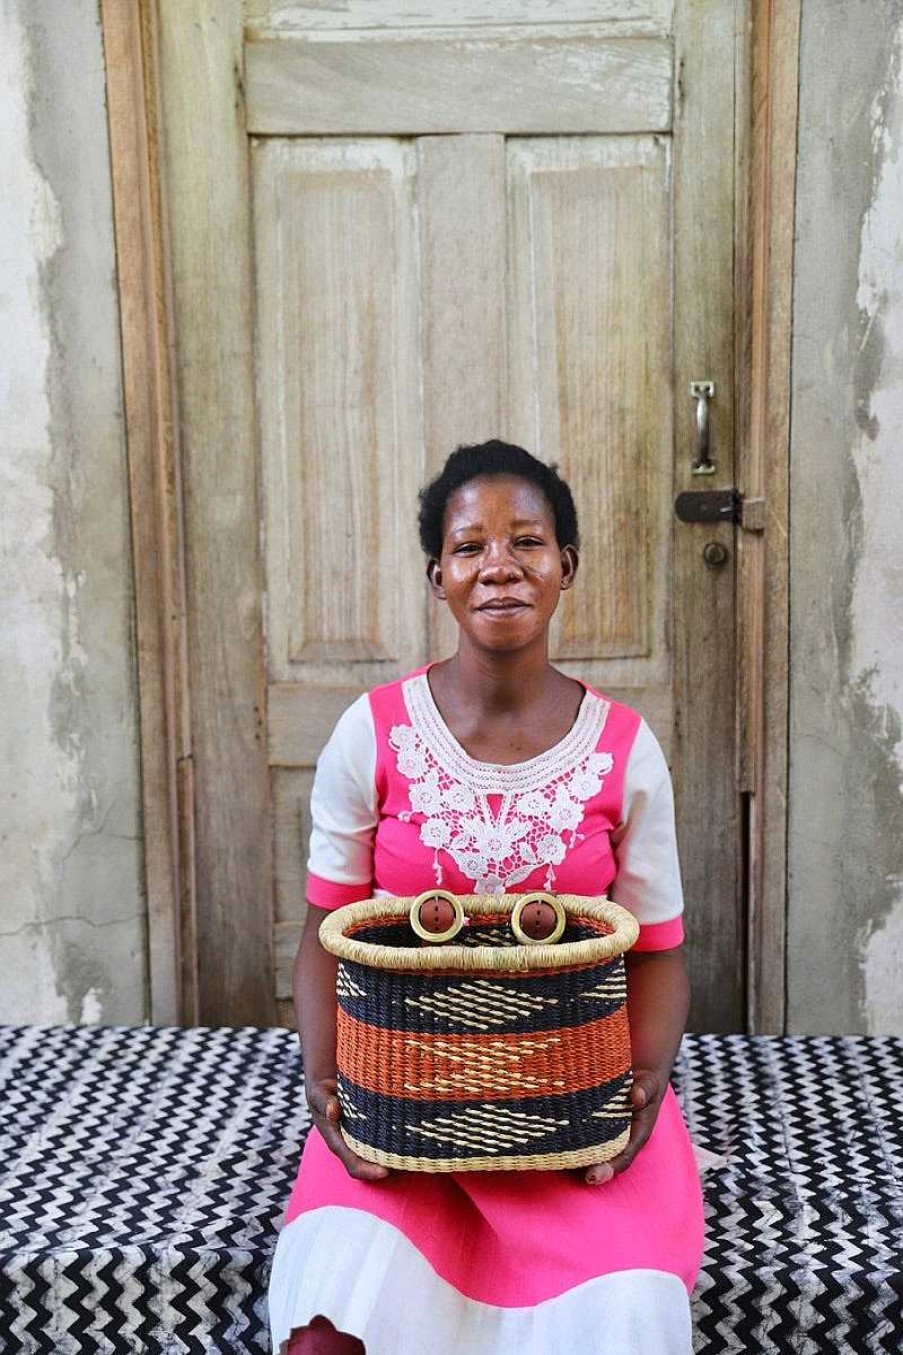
point(528, 541)
point(466, 548)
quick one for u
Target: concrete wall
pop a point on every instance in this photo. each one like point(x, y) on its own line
point(845, 961)
point(72, 927)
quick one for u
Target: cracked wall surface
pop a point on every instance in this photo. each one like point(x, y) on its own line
point(72, 911)
point(845, 951)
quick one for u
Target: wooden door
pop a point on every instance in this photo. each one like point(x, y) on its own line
point(521, 229)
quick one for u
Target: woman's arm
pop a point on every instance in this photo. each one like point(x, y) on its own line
point(313, 986)
point(658, 999)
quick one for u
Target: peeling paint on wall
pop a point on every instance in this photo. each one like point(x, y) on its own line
point(37, 794)
point(72, 923)
point(877, 604)
point(845, 826)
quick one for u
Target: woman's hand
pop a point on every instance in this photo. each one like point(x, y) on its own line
point(646, 1098)
point(326, 1114)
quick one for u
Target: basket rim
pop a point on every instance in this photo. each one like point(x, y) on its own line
point(456, 959)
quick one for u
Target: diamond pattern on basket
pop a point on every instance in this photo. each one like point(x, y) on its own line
point(490, 1128)
point(617, 1107)
point(497, 1067)
point(345, 985)
point(609, 990)
point(480, 1003)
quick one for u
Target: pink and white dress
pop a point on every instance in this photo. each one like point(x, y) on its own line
point(489, 1263)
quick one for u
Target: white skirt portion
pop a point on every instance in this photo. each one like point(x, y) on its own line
point(371, 1281)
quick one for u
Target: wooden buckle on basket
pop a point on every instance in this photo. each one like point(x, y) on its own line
point(437, 895)
point(527, 934)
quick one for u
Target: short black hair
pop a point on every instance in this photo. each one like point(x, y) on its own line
point(494, 458)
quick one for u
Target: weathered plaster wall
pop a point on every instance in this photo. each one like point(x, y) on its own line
point(72, 943)
point(845, 960)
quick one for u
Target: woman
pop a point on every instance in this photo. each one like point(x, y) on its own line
point(492, 772)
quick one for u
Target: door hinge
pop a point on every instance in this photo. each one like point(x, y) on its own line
point(721, 505)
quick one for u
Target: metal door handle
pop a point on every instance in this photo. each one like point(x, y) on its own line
point(702, 392)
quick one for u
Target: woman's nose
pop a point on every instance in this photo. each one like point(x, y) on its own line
point(498, 563)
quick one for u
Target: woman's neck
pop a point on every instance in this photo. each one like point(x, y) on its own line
point(504, 708)
point(496, 683)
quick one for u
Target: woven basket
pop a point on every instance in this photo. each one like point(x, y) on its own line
point(482, 1054)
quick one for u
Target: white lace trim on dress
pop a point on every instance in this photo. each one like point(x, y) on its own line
point(542, 799)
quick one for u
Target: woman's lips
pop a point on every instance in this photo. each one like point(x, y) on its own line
point(508, 605)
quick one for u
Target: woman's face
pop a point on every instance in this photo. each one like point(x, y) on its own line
point(501, 570)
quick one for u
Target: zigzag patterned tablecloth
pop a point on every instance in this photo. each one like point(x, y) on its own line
point(143, 1175)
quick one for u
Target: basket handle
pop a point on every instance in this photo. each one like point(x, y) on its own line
point(530, 919)
point(429, 925)
point(537, 919)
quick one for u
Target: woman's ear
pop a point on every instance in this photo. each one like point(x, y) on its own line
point(434, 574)
point(569, 562)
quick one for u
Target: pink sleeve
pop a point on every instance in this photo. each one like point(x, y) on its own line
point(661, 935)
point(330, 894)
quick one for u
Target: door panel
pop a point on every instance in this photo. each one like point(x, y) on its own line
point(338, 318)
point(305, 16)
point(396, 82)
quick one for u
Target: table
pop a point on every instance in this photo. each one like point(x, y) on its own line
point(145, 1172)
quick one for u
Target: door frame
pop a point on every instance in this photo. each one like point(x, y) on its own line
point(206, 799)
point(769, 53)
point(155, 498)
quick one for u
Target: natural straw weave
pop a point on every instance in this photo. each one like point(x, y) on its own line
point(483, 1053)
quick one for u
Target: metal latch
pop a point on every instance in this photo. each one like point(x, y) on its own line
point(709, 505)
point(721, 505)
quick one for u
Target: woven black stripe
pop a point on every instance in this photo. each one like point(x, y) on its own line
point(474, 1004)
point(389, 1123)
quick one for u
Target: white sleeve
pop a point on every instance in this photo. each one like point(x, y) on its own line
point(648, 881)
point(343, 807)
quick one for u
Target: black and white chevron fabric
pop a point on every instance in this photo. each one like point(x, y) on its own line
point(804, 1248)
point(144, 1174)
